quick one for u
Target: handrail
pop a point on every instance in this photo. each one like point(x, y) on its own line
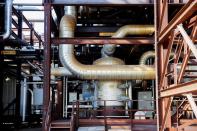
point(27, 23)
point(48, 117)
point(76, 111)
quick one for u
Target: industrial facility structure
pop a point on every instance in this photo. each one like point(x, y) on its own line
point(98, 65)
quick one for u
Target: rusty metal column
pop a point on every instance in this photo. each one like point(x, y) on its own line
point(59, 106)
point(47, 59)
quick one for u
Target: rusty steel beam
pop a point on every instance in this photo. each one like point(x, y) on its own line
point(183, 88)
point(180, 17)
point(166, 61)
point(145, 41)
point(167, 113)
point(188, 123)
point(47, 64)
point(163, 21)
point(100, 2)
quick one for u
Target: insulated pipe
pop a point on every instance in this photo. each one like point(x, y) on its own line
point(109, 49)
point(146, 56)
point(8, 19)
point(99, 72)
point(61, 71)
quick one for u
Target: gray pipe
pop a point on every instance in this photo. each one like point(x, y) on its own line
point(109, 49)
point(101, 72)
point(8, 19)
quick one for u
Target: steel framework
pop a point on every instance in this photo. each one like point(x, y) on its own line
point(176, 76)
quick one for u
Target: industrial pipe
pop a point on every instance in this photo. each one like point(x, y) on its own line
point(61, 71)
point(8, 19)
point(109, 49)
point(146, 56)
point(101, 72)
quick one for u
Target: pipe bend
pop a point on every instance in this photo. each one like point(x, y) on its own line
point(123, 31)
point(8, 19)
point(146, 56)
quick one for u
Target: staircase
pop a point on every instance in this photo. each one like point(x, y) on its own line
point(60, 125)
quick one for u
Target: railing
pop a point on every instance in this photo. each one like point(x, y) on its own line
point(48, 117)
point(103, 112)
point(18, 25)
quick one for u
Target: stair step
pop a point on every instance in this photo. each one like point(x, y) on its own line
point(60, 124)
point(192, 64)
point(190, 70)
point(60, 127)
point(189, 76)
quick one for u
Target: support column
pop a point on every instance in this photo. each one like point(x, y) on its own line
point(47, 59)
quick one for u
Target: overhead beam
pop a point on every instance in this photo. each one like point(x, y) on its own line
point(179, 89)
point(100, 2)
point(107, 2)
point(129, 41)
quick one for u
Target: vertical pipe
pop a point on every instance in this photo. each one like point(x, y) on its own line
point(24, 99)
point(157, 60)
point(64, 90)
point(66, 93)
point(126, 102)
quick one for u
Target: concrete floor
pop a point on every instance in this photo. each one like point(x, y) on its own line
point(95, 128)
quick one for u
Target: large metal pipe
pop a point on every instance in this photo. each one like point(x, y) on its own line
point(101, 72)
point(8, 19)
point(109, 49)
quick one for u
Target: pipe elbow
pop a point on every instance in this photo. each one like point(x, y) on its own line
point(146, 56)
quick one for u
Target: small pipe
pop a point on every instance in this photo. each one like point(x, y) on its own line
point(8, 19)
